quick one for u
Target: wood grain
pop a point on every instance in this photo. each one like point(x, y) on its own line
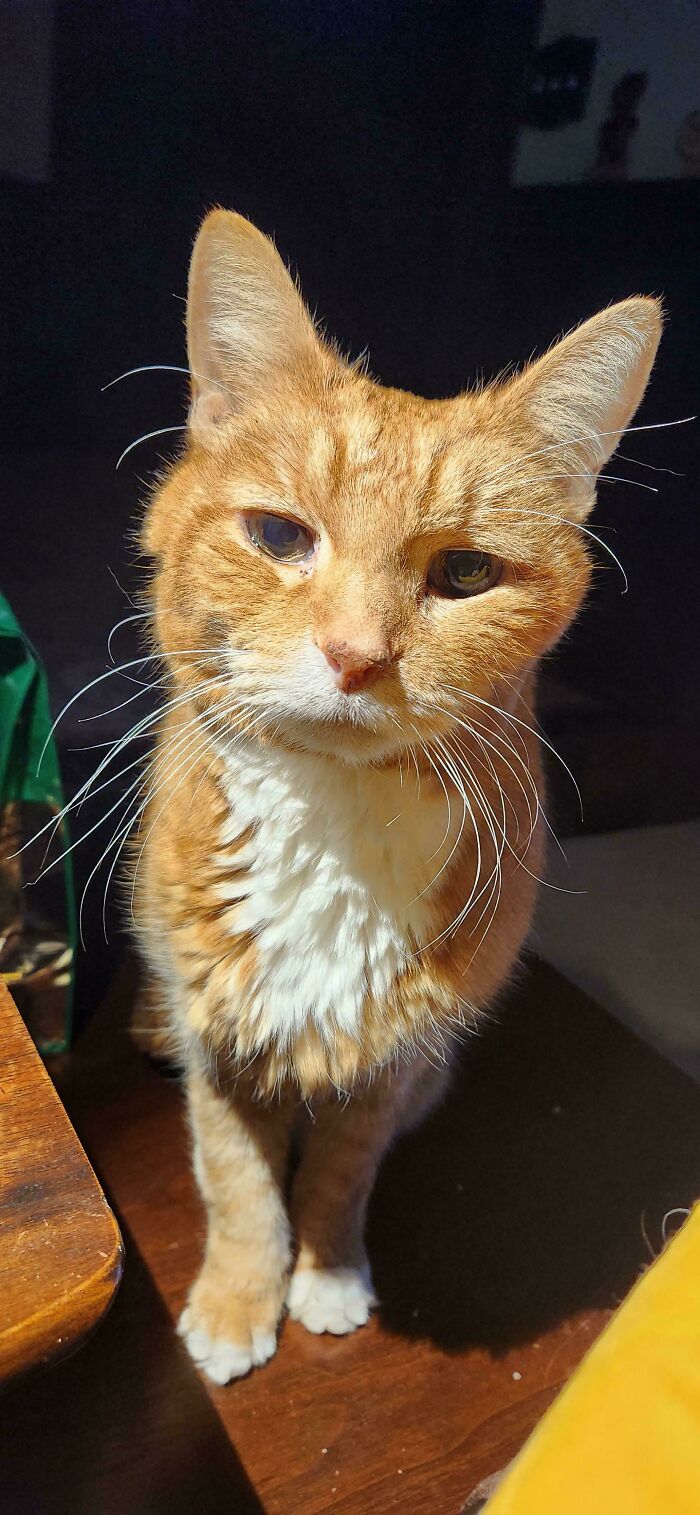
point(502, 1235)
point(124, 1427)
point(60, 1248)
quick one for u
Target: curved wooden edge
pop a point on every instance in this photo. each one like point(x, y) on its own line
point(50, 1334)
point(60, 1245)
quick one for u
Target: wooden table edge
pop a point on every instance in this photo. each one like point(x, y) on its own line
point(40, 1345)
point(46, 1180)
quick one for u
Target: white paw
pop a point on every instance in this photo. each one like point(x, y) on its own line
point(223, 1360)
point(331, 1299)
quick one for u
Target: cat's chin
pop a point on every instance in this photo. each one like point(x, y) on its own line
point(346, 744)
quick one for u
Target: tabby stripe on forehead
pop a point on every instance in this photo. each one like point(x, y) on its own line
point(321, 454)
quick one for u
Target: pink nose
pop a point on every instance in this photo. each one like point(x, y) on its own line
point(352, 667)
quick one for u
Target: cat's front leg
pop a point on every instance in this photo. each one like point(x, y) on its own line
point(229, 1324)
point(331, 1289)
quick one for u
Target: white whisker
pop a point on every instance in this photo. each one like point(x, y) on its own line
point(546, 515)
point(145, 368)
point(601, 478)
point(164, 368)
point(590, 436)
point(148, 436)
point(258, 724)
point(506, 715)
point(653, 466)
point(140, 615)
point(148, 657)
point(195, 744)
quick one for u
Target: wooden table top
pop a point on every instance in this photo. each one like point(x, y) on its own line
point(60, 1247)
point(503, 1232)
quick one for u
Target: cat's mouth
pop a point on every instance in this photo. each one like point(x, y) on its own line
point(299, 705)
point(357, 727)
point(346, 741)
point(361, 714)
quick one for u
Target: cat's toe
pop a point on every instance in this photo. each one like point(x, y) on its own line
point(337, 1300)
point(264, 1345)
point(224, 1360)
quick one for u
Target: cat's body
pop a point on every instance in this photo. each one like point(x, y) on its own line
point(338, 859)
point(299, 903)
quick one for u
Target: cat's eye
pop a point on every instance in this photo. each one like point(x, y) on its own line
point(280, 537)
point(462, 573)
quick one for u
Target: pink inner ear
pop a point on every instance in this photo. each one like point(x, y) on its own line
point(209, 412)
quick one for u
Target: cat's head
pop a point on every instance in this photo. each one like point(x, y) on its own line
point(357, 563)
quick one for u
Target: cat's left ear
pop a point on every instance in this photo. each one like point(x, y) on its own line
point(583, 393)
point(245, 320)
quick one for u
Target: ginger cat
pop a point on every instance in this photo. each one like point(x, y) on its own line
point(338, 861)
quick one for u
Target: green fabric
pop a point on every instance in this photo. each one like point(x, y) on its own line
point(25, 721)
point(29, 769)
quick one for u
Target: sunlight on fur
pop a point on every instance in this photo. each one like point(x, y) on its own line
point(339, 838)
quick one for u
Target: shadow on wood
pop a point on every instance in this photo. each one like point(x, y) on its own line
point(527, 1197)
point(123, 1428)
point(500, 1233)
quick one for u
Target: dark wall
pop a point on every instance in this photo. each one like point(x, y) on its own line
point(374, 141)
point(371, 140)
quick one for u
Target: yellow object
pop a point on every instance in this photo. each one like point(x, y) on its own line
point(623, 1438)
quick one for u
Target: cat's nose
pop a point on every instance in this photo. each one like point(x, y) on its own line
point(353, 667)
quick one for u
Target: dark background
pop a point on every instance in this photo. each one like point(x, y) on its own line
point(375, 141)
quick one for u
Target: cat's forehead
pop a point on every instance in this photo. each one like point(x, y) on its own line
point(370, 431)
point(376, 468)
point(392, 450)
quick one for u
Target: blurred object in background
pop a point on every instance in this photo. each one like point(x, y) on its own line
point(37, 937)
point(558, 82)
point(619, 128)
point(620, 102)
point(688, 145)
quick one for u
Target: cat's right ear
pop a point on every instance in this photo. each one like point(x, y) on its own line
point(245, 318)
point(582, 395)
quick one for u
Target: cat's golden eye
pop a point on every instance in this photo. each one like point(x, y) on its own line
point(462, 573)
point(280, 537)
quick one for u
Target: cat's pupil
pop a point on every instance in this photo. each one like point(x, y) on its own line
point(465, 567)
point(282, 535)
point(463, 572)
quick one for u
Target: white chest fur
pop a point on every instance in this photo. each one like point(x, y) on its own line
point(338, 882)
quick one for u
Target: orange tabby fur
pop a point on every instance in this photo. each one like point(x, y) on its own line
point(430, 778)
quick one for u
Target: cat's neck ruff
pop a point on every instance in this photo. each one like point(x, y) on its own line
point(342, 866)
